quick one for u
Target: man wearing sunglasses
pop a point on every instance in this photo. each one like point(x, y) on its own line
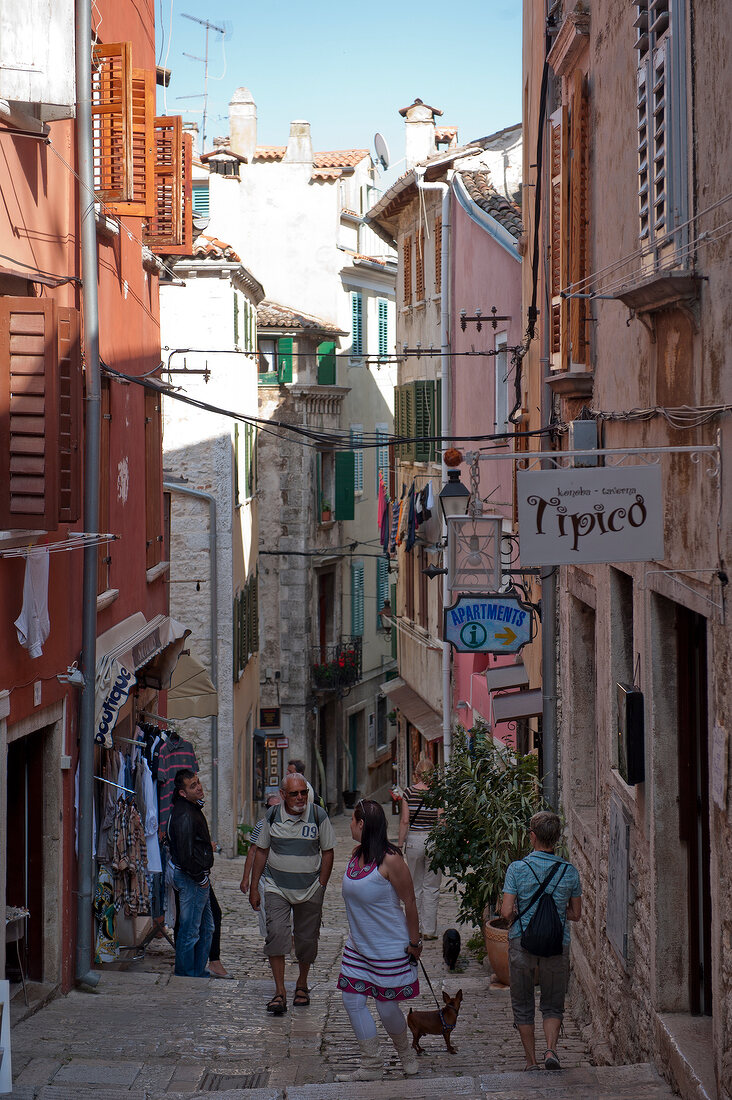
point(296, 846)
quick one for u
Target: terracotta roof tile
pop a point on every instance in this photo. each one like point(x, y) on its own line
point(273, 315)
point(211, 248)
point(484, 194)
point(270, 152)
point(340, 158)
point(326, 173)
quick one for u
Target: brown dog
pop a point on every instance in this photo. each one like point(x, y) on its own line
point(429, 1023)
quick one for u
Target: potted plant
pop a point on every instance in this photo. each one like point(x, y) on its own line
point(325, 511)
point(488, 793)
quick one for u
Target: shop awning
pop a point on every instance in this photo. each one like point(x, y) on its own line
point(517, 704)
point(191, 693)
point(507, 676)
point(419, 713)
point(137, 642)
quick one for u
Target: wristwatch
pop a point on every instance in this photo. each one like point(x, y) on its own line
point(417, 944)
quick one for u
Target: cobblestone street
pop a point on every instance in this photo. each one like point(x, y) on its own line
point(146, 1034)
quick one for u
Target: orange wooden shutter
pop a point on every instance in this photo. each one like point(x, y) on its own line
point(185, 248)
point(111, 94)
point(166, 225)
point(579, 212)
point(69, 415)
point(142, 129)
point(28, 415)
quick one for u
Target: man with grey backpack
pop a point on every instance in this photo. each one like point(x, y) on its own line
point(541, 894)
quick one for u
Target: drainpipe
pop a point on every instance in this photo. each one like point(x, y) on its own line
point(90, 306)
point(198, 494)
point(444, 190)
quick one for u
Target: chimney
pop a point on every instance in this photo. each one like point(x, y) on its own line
point(243, 124)
point(419, 119)
point(299, 145)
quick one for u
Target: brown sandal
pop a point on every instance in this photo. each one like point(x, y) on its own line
point(301, 998)
point(278, 1005)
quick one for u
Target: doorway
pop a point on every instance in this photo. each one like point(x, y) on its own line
point(693, 748)
point(25, 865)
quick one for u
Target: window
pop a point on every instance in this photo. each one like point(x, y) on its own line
point(275, 359)
point(246, 625)
point(357, 599)
point(40, 429)
point(407, 270)
point(438, 254)
point(357, 447)
point(417, 417)
point(382, 455)
point(501, 368)
point(382, 588)
point(661, 122)
point(357, 324)
point(170, 229)
point(200, 199)
point(345, 480)
point(244, 454)
point(419, 265)
point(383, 314)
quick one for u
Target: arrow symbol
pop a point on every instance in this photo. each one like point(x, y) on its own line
point(507, 636)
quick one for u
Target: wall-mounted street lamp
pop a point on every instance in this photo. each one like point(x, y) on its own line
point(454, 497)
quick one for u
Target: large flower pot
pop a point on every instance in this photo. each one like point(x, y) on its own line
point(350, 798)
point(495, 937)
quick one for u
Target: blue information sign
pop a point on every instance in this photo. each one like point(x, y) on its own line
point(488, 624)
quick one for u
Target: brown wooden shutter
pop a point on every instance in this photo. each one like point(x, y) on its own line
point(407, 261)
point(153, 478)
point(69, 415)
point(438, 254)
point(419, 265)
point(142, 138)
point(579, 213)
point(166, 225)
point(28, 415)
point(185, 248)
point(111, 94)
point(559, 238)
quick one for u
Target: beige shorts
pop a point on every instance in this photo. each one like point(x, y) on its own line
point(306, 918)
point(553, 980)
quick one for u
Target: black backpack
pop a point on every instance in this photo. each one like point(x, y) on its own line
point(544, 934)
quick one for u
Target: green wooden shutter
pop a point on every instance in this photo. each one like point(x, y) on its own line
point(382, 454)
point(383, 327)
point(409, 420)
point(345, 477)
point(284, 358)
point(357, 598)
point(425, 420)
point(382, 587)
point(326, 363)
point(254, 611)
point(357, 444)
point(237, 501)
point(357, 313)
point(236, 320)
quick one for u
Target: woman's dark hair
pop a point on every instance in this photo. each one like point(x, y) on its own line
point(374, 841)
point(181, 778)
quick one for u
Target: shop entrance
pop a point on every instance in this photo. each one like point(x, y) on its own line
point(24, 876)
point(694, 801)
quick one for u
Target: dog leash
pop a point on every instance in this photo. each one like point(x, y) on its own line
point(447, 1027)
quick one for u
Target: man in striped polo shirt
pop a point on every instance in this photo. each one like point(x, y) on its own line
point(296, 844)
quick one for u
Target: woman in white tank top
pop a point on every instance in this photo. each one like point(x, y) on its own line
point(383, 947)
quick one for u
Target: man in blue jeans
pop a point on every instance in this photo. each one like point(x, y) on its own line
point(192, 854)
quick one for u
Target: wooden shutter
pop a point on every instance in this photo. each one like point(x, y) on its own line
point(28, 414)
point(383, 308)
point(142, 139)
point(407, 269)
point(326, 363)
point(357, 444)
point(424, 417)
point(419, 265)
point(284, 358)
point(438, 446)
point(104, 550)
point(357, 598)
point(409, 421)
point(153, 478)
point(185, 246)
point(438, 254)
point(69, 414)
point(357, 323)
point(559, 237)
point(579, 216)
point(165, 228)
point(111, 109)
point(345, 472)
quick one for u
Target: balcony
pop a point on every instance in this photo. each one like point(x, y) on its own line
point(337, 667)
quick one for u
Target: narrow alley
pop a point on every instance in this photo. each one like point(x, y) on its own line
point(146, 1034)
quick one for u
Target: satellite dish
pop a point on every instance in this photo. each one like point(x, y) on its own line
point(382, 151)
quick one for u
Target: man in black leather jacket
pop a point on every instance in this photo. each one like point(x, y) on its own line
point(192, 855)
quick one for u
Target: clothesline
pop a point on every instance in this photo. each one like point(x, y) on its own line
point(75, 541)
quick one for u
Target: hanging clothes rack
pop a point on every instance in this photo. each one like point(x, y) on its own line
point(112, 784)
point(75, 541)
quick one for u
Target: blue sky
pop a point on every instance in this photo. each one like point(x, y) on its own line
point(346, 68)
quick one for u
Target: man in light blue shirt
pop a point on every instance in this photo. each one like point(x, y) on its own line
point(523, 879)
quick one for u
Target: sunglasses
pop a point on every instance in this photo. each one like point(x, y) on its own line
point(299, 793)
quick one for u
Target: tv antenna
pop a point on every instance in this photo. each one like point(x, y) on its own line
point(204, 60)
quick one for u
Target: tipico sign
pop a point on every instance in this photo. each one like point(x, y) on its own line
point(571, 517)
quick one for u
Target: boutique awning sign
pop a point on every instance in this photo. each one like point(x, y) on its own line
point(581, 516)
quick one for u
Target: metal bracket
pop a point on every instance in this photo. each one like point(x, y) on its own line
point(673, 573)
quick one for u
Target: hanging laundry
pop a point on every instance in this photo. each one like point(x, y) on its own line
point(150, 819)
point(403, 516)
point(174, 755)
point(411, 524)
point(32, 624)
point(394, 527)
point(129, 861)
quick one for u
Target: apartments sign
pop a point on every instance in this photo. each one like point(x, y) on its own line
point(581, 516)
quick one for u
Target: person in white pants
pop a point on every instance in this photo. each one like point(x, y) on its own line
point(416, 821)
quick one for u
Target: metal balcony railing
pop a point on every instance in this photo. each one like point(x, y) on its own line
point(336, 667)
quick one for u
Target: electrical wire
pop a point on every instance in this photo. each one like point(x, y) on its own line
point(39, 271)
